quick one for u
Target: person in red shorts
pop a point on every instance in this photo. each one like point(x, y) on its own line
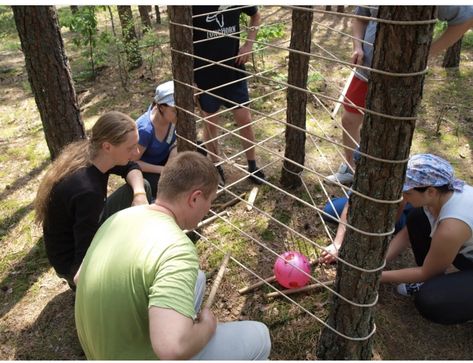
point(459, 19)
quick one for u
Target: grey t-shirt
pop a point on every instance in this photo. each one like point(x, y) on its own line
point(452, 14)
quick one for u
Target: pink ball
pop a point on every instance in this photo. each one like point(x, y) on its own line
point(289, 276)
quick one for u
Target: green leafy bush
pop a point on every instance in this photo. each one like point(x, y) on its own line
point(84, 25)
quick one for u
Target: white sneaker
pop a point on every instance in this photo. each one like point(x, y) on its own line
point(409, 289)
point(344, 175)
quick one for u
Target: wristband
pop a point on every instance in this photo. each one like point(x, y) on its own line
point(138, 193)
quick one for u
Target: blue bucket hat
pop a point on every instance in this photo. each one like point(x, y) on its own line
point(165, 94)
point(427, 170)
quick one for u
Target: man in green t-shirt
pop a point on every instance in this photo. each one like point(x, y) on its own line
point(139, 287)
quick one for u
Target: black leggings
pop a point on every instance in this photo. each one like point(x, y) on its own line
point(444, 299)
point(153, 179)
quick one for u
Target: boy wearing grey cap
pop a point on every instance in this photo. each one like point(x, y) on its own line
point(157, 132)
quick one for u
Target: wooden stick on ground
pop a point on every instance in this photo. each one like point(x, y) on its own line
point(251, 198)
point(217, 281)
point(249, 288)
point(230, 202)
point(300, 289)
point(256, 285)
point(211, 219)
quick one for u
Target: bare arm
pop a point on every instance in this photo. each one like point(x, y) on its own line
point(325, 256)
point(175, 336)
point(149, 168)
point(135, 179)
point(358, 31)
point(398, 244)
point(446, 242)
point(449, 37)
point(245, 50)
point(152, 168)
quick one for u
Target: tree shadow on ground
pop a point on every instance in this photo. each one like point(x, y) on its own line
point(12, 220)
point(23, 180)
point(53, 335)
point(22, 275)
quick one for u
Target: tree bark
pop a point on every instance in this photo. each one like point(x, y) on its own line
point(49, 75)
point(452, 55)
point(145, 19)
point(397, 49)
point(182, 70)
point(129, 36)
point(301, 36)
point(158, 14)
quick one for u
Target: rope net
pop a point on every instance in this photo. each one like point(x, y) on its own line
point(279, 219)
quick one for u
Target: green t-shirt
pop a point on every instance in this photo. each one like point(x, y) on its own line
point(138, 258)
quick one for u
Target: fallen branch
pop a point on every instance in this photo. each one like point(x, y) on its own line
point(251, 198)
point(211, 219)
point(230, 202)
point(256, 285)
point(300, 289)
point(217, 281)
point(249, 288)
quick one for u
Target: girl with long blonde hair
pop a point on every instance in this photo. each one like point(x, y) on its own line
point(71, 201)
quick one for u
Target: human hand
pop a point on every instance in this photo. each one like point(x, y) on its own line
point(139, 199)
point(328, 256)
point(207, 318)
point(244, 53)
point(357, 56)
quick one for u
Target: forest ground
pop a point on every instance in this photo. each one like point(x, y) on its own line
point(36, 307)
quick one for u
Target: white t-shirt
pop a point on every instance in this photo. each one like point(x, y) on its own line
point(459, 206)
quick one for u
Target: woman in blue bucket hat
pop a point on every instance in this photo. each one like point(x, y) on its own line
point(156, 128)
point(439, 230)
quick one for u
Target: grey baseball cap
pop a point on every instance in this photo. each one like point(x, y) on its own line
point(165, 94)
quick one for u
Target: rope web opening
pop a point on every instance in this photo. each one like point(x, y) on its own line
point(279, 219)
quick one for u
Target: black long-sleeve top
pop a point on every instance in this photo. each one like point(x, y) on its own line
point(73, 215)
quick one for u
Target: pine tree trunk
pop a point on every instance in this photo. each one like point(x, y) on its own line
point(452, 55)
point(129, 36)
point(397, 49)
point(49, 75)
point(182, 70)
point(301, 35)
point(158, 14)
point(145, 19)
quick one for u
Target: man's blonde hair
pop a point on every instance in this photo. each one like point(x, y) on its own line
point(187, 171)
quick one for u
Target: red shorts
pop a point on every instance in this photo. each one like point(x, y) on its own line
point(356, 93)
